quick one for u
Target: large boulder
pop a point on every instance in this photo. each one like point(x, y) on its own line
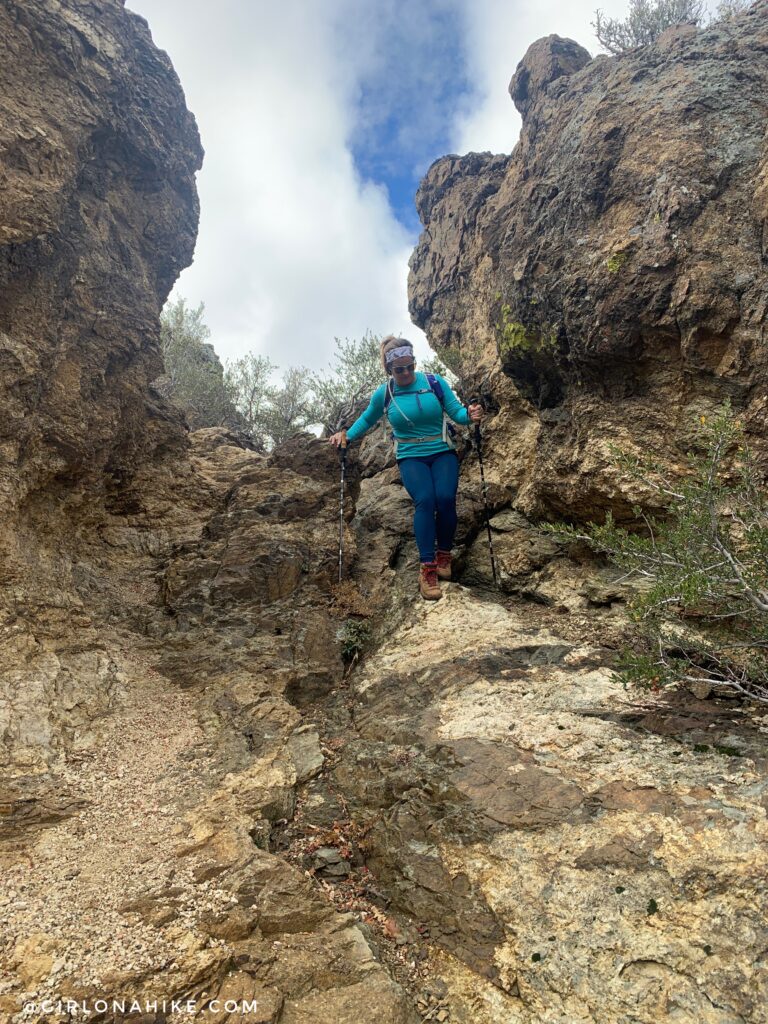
point(607, 281)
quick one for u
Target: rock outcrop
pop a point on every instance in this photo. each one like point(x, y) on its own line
point(608, 279)
point(98, 214)
point(226, 776)
point(154, 644)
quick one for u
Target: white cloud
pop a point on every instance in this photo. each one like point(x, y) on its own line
point(293, 247)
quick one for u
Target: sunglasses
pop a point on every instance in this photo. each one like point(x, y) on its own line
point(403, 369)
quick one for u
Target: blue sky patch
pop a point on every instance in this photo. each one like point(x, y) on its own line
point(408, 96)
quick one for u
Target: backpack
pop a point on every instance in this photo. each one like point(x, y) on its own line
point(449, 431)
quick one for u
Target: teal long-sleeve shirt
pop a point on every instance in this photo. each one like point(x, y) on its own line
point(413, 412)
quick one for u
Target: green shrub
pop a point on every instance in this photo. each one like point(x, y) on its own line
point(194, 377)
point(355, 372)
point(354, 636)
point(644, 23)
point(647, 19)
point(705, 562)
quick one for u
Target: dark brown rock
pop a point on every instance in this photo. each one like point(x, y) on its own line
point(621, 851)
point(525, 798)
point(606, 282)
point(99, 215)
point(545, 61)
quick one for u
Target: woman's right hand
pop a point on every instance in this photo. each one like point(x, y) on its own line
point(339, 439)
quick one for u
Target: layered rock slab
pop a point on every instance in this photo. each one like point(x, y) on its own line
point(585, 869)
point(158, 883)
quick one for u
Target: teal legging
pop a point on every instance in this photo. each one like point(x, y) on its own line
point(432, 482)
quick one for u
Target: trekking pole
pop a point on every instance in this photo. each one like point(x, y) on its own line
point(343, 457)
point(479, 445)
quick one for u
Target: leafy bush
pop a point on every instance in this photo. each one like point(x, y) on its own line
point(355, 372)
point(291, 407)
point(194, 377)
point(242, 396)
point(645, 22)
point(647, 19)
point(705, 563)
point(271, 412)
point(354, 637)
point(248, 381)
point(730, 8)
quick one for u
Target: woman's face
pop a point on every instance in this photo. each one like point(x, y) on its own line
point(404, 370)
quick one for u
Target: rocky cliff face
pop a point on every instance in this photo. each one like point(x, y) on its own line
point(98, 213)
point(165, 605)
point(609, 277)
point(201, 797)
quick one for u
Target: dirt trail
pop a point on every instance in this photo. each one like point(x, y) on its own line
point(63, 903)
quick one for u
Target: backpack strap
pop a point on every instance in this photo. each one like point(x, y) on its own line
point(436, 386)
point(449, 431)
point(388, 393)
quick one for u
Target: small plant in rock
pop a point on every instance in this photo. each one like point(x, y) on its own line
point(615, 262)
point(354, 636)
point(702, 615)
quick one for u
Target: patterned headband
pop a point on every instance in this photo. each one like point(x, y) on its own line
point(404, 350)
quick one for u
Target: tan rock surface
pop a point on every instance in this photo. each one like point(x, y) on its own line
point(591, 868)
point(156, 884)
point(201, 800)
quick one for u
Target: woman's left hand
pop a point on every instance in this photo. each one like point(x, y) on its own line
point(475, 412)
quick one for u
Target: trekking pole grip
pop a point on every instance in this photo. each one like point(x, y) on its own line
point(475, 400)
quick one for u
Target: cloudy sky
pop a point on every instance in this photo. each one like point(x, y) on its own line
point(318, 118)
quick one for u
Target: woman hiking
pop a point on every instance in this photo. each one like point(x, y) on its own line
point(426, 457)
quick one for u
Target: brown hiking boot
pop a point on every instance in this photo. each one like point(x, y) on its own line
point(428, 585)
point(443, 560)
